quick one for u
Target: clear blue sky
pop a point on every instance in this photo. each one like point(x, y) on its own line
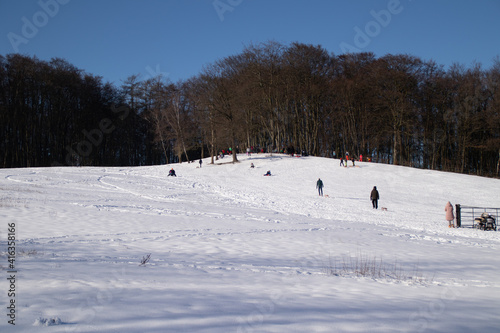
point(117, 38)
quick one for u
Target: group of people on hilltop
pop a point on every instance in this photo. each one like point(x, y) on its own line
point(347, 158)
point(353, 159)
point(225, 152)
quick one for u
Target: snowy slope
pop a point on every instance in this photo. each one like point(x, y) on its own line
point(233, 251)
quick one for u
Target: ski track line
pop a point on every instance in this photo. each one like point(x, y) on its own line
point(121, 189)
point(158, 235)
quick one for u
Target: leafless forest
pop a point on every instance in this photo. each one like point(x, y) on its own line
point(396, 109)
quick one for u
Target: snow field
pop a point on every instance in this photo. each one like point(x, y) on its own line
point(233, 251)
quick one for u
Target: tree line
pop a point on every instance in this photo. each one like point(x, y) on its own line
point(396, 109)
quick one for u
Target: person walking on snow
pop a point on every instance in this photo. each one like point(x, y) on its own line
point(374, 196)
point(449, 215)
point(201, 162)
point(319, 186)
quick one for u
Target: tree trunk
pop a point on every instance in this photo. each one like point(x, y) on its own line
point(395, 147)
point(184, 149)
point(498, 164)
point(212, 145)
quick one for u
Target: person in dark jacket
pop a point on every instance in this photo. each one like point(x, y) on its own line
point(374, 196)
point(319, 186)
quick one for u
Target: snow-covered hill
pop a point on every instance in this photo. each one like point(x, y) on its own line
point(234, 251)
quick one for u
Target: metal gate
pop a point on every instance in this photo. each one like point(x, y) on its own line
point(466, 215)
